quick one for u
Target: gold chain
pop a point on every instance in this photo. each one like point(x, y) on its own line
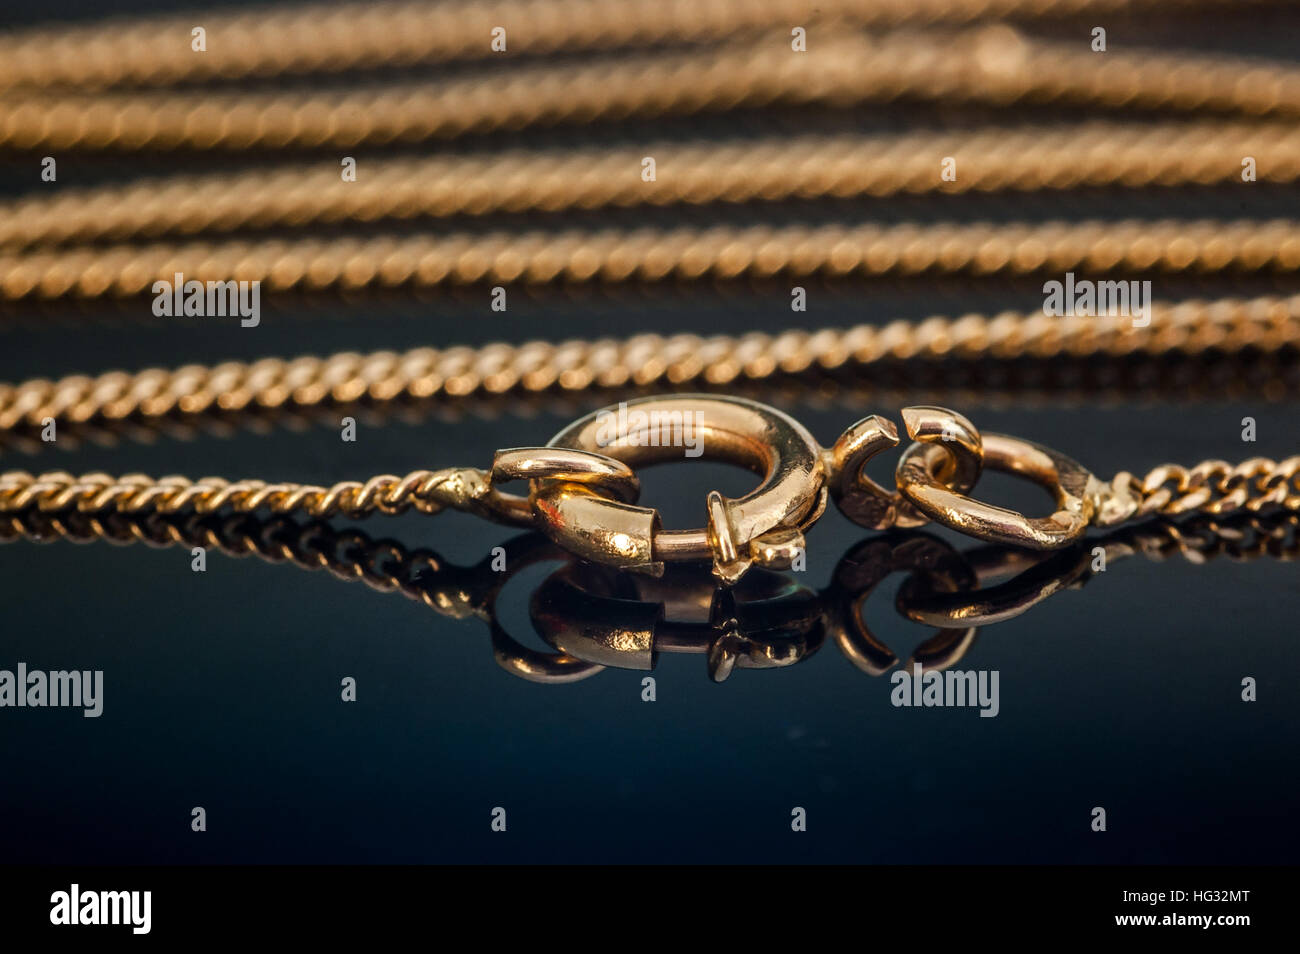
point(1217, 487)
point(426, 491)
point(1191, 327)
point(995, 65)
point(808, 167)
point(1213, 486)
point(580, 496)
point(1172, 378)
point(338, 37)
point(688, 253)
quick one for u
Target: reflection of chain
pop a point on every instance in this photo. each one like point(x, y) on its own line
point(775, 631)
point(994, 65)
point(1034, 578)
point(1204, 538)
point(687, 253)
point(1016, 158)
point(383, 565)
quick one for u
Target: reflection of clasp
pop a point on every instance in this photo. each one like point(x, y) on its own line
point(520, 553)
point(1034, 578)
point(615, 619)
point(864, 568)
point(768, 621)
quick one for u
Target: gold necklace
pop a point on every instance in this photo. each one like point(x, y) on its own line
point(583, 486)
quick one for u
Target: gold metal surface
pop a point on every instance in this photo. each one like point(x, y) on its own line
point(1075, 490)
point(765, 526)
point(132, 87)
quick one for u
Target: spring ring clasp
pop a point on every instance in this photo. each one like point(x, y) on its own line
point(765, 527)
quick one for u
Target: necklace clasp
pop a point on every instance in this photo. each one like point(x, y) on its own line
point(764, 527)
point(584, 488)
point(924, 477)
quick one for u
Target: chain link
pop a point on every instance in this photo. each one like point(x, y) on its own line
point(424, 490)
point(1216, 487)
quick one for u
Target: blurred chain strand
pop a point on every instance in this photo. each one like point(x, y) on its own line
point(650, 254)
point(1026, 159)
point(992, 64)
point(336, 37)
